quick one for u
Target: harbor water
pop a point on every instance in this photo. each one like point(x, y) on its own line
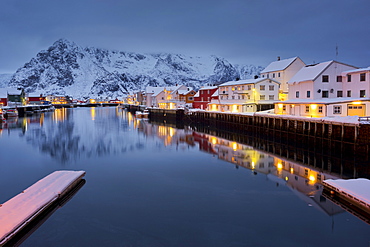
point(150, 184)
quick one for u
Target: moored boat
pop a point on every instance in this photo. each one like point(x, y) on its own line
point(10, 113)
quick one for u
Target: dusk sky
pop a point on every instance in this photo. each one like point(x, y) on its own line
point(242, 31)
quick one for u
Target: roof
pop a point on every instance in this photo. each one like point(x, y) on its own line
point(356, 70)
point(310, 72)
point(249, 81)
point(279, 65)
point(208, 88)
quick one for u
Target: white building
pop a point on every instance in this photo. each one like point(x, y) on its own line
point(165, 97)
point(282, 71)
point(246, 95)
point(328, 89)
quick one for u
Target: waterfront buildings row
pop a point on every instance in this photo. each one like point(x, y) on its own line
point(288, 86)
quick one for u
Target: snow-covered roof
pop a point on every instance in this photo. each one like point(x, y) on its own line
point(323, 101)
point(356, 70)
point(216, 93)
point(208, 87)
point(248, 81)
point(309, 72)
point(197, 94)
point(356, 187)
point(279, 65)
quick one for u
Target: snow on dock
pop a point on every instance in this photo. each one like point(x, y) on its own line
point(355, 190)
point(19, 211)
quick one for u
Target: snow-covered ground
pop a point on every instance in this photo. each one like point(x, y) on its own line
point(18, 211)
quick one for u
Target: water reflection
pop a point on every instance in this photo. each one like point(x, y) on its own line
point(304, 181)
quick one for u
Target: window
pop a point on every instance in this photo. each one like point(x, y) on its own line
point(339, 93)
point(349, 78)
point(307, 108)
point(362, 77)
point(271, 97)
point(297, 94)
point(325, 78)
point(349, 93)
point(262, 97)
point(262, 87)
point(337, 109)
point(308, 94)
point(339, 78)
point(271, 87)
point(249, 87)
point(273, 75)
point(320, 109)
point(362, 93)
point(232, 97)
point(325, 94)
point(284, 107)
point(248, 96)
point(191, 98)
point(279, 74)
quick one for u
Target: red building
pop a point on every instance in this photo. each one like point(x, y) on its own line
point(35, 99)
point(203, 97)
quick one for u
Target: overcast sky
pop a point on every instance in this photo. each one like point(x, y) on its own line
point(242, 31)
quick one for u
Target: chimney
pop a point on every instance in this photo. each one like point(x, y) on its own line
point(278, 58)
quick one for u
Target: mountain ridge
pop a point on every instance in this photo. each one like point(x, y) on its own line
point(69, 69)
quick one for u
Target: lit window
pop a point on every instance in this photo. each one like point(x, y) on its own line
point(262, 97)
point(307, 108)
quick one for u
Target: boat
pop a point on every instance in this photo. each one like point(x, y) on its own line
point(10, 113)
point(142, 114)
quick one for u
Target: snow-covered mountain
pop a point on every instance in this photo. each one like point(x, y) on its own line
point(68, 69)
point(4, 80)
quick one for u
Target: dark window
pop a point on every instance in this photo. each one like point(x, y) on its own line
point(308, 94)
point(349, 94)
point(325, 78)
point(320, 109)
point(349, 78)
point(339, 78)
point(339, 93)
point(325, 94)
point(279, 74)
point(297, 94)
point(362, 93)
point(362, 77)
point(337, 110)
point(307, 108)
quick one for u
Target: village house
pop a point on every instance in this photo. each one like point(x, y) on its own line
point(282, 71)
point(327, 89)
point(246, 96)
point(203, 97)
point(170, 97)
point(35, 99)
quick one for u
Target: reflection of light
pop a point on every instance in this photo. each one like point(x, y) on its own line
point(235, 146)
point(286, 178)
point(291, 170)
point(92, 112)
point(213, 140)
point(279, 166)
point(312, 178)
point(253, 165)
point(171, 131)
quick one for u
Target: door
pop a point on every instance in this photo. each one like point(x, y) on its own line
point(356, 110)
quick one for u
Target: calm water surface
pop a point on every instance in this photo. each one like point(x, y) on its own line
point(150, 185)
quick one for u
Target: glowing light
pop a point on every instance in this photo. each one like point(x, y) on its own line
point(253, 165)
point(313, 107)
point(356, 103)
point(280, 106)
point(213, 140)
point(279, 166)
point(235, 146)
point(291, 170)
point(286, 178)
point(312, 178)
point(292, 106)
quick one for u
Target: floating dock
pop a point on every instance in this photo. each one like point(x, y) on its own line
point(20, 211)
point(352, 193)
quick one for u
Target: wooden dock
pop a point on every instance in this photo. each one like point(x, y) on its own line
point(22, 210)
